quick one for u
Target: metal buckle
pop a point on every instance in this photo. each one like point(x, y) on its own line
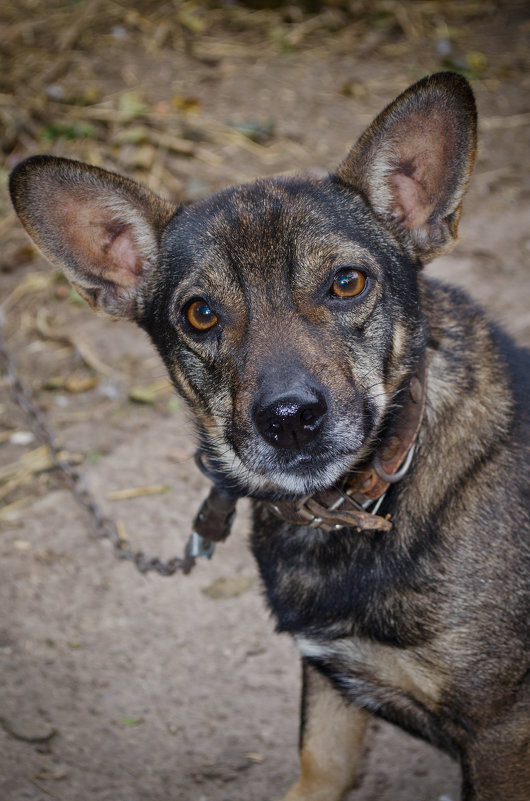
point(394, 477)
point(196, 547)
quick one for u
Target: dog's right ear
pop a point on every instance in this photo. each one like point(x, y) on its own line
point(102, 230)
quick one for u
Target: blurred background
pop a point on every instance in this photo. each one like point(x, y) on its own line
point(121, 687)
point(190, 96)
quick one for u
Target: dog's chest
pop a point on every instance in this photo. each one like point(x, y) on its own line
point(373, 674)
point(322, 587)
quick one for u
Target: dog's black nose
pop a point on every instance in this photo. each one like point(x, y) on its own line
point(291, 421)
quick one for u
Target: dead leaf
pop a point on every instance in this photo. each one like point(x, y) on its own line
point(186, 103)
point(255, 757)
point(11, 512)
point(35, 461)
point(132, 105)
point(32, 284)
point(228, 587)
point(22, 545)
point(54, 382)
point(135, 135)
point(150, 392)
point(142, 157)
point(256, 130)
point(77, 384)
point(137, 492)
point(51, 775)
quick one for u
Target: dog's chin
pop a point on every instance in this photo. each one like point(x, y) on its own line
point(303, 475)
point(289, 486)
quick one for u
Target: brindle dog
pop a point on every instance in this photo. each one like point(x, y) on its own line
point(319, 362)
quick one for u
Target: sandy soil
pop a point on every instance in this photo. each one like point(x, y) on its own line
point(120, 687)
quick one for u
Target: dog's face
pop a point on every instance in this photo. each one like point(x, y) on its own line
point(284, 316)
point(287, 312)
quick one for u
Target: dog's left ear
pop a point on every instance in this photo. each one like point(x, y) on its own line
point(414, 162)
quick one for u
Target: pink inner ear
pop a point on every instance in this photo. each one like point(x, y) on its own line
point(419, 181)
point(124, 262)
point(105, 244)
point(411, 205)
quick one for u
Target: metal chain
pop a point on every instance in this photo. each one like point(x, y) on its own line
point(103, 525)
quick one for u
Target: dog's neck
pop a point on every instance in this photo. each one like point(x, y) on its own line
point(353, 502)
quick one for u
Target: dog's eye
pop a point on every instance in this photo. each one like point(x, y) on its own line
point(348, 283)
point(200, 316)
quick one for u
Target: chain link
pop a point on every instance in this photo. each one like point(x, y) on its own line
point(103, 525)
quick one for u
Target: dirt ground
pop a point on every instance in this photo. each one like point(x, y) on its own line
point(117, 686)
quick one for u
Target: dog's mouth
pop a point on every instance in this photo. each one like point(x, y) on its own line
point(303, 474)
point(300, 475)
point(256, 469)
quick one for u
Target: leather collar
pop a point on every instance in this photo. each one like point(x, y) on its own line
point(353, 503)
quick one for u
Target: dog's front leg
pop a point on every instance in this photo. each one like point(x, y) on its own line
point(331, 739)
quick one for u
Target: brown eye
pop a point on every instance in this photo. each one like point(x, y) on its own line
point(200, 316)
point(348, 283)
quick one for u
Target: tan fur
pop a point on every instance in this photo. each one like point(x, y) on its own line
point(331, 745)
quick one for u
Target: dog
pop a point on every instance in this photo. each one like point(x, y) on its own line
point(378, 421)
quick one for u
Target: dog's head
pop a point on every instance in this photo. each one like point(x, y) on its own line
point(288, 312)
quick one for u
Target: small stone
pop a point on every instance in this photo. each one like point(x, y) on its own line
point(28, 729)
